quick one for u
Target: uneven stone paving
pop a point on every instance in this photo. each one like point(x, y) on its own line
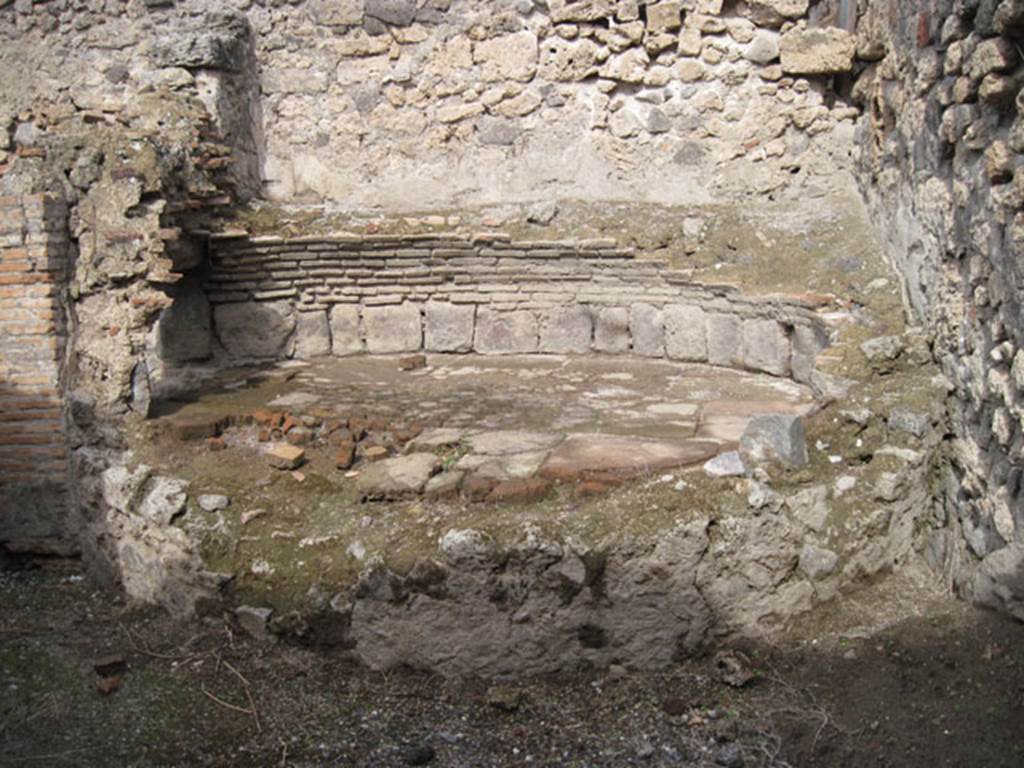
point(562, 419)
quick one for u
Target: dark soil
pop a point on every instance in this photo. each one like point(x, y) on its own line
point(895, 675)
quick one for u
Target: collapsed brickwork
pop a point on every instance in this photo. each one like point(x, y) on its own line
point(150, 125)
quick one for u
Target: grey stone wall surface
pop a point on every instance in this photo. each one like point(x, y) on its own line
point(939, 161)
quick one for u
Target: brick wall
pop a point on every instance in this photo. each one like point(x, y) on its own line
point(33, 452)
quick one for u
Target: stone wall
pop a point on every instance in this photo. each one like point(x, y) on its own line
point(349, 294)
point(411, 104)
point(34, 265)
point(407, 104)
point(940, 153)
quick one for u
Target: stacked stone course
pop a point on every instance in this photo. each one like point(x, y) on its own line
point(489, 294)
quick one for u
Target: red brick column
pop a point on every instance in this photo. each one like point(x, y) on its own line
point(34, 266)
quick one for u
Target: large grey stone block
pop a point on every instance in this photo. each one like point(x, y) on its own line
point(390, 329)
point(775, 438)
point(449, 327)
point(345, 336)
point(723, 332)
point(765, 347)
point(254, 330)
point(647, 328)
point(611, 330)
point(336, 12)
point(505, 333)
point(400, 13)
point(807, 342)
point(685, 334)
point(566, 330)
point(312, 335)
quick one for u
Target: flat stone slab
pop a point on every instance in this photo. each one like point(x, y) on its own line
point(625, 456)
point(684, 411)
point(438, 437)
point(397, 478)
point(511, 465)
point(503, 442)
point(726, 420)
point(295, 400)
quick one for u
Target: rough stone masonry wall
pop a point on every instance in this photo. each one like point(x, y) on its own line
point(486, 293)
point(410, 104)
point(940, 164)
point(407, 105)
point(34, 257)
point(110, 150)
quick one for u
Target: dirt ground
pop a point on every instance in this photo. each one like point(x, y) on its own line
point(897, 674)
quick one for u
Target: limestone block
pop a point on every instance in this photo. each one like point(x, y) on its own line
point(254, 330)
point(218, 42)
point(569, 61)
point(509, 57)
point(773, 13)
point(995, 55)
point(647, 328)
point(505, 333)
point(580, 10)
point(165, 500)
point(624, 124)
point(764, 346)
point(449, 327)
point(664, 16)
point(690, 42)
point(774, 438)
point(628, 67)
point(453, 113)
point(723, 333)
point(391, 329)
point(611, 331)
point(818, 51)
point(741, 30)
point(764, 48)
point(808, 342)
point(685, 334)
point(397, 478)
point(312, 335)
point(345, 337)
point(566, 330)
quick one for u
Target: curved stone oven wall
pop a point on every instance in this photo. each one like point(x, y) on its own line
point(273, 297)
